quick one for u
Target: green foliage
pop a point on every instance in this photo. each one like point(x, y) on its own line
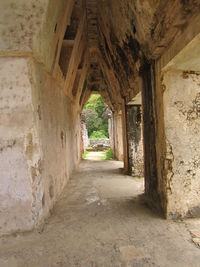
point(95, 111)
point(98, 134)
point(93, 122)
point(100, 106)
point(84, 155)
point(109, 154)
point(91, 103)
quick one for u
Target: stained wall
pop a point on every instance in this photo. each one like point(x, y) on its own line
point(19, 146)
point(58, 123)
point(182, 124)
point(39, 123)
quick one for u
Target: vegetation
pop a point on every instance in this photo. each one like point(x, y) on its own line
point(84, 155)
point(98, 134)
point(96, 114)
point(109, 154)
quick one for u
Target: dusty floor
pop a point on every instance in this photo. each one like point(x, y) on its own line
point(101, 221)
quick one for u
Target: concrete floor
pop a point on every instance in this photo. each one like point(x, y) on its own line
point(100, 220)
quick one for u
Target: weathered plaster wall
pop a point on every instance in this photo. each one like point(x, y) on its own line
point(182, 124)
point(182, 54)
point(19, 25)
point(39, 123)
point(34, 27)
point(19, 147)
point(59, 127)
point(135, 140)
point(39, 143)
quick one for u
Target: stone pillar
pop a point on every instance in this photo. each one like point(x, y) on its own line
point(84, 133)
point(118, 136)
point(124, 133)
point(182, 159)
point(111, 131)
point(150, 135)
point(135, 141)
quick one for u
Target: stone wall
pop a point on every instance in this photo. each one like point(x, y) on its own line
point(99, 142)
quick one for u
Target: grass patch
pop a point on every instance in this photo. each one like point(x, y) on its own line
point(84, 155)
point(98, 134)
point(109, 154)
point(103, 156)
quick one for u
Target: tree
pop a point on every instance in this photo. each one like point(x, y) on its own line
point(93, 122)
point(95, 112)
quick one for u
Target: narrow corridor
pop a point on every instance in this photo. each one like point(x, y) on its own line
point(100, 220)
